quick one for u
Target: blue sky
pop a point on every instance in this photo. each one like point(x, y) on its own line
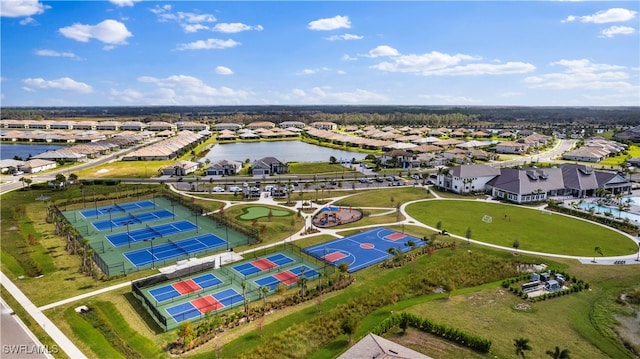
point(128, 52)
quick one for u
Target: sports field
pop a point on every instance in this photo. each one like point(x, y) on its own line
point(535, 230)
point(132, 235)
point(363, 249)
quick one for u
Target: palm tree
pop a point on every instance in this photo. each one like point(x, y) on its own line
point(264, 290)
point(559, 354)
point(598, 250)
point(521, 344)
point(243, 284)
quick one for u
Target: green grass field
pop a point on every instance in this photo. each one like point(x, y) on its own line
point(534, 229)
point(389, 197)
point(316, 167)
point(255, 212)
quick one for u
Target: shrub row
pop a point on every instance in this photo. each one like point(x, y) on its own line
point(443, 331)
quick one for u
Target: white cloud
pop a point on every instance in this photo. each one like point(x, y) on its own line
point(383, 50)
point(341, 72)
point(53, 53)
point(582, 74)
point(21, 8)
point(344, 37)
point(208, 44)
point(325, 95)
point(312, 71)
point(617, 30)
point(28, 20)
point(336, 22)
point(189, 21)
point(110, 32)
point(178, 90)
point(346, 57)
point(605, 16)
point(232, 28)
point(438, 64)
point(123, 3)
point(222, 70)
point(63, 83)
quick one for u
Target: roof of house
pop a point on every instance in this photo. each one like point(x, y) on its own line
point(398, 153)
point(373, 346)
point(466, 171)
point(528, 180)
point(266, 162)
point(578, 176)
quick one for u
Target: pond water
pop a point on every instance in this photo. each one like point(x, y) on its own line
point(285, 151)
point(10, 150)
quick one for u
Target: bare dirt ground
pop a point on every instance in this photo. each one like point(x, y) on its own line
point(628, 329)
point(344, 215)
point(430, 345)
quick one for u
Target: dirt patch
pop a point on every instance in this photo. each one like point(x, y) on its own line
point(12, 228)
point(430, 345)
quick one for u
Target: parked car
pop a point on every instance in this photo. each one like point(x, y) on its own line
point(389, 178)
point(379, 179)
point(235, 189)
point(217, 189)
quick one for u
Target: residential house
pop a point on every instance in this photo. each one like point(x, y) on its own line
point(180, 168)
point(261, 124)
point(226, 126)
point(224, 168)
point(37, 165)
point(323, 125)
point(399, 158)
point(294, 124)
point(511, 147)
point(268, 166)
point(373, 346)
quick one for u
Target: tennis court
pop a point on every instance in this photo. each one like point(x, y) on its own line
point(363, 249)
point(103, 225)
point(262, 264)
point(202, 305)
point(117, 208)
point(287, 277)
point(173, 249)
point(142, 234)
point(184, 287)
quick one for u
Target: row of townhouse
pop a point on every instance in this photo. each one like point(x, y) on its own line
point(524, 185)
point(85, 151)
point(167, 149)
point(261, 167)
point(29, 166)
point(107, 125)
point(521, 145)
point(287, 125)
point(595, 149)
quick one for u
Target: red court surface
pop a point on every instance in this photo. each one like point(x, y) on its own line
point(286, 277)
point(395, 236)
point(264, 264)
point(332, 257)
point(206, 304)
point(367, 245)
point(186, 286)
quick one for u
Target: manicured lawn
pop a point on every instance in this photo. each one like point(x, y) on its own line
point(390, 197)
point(261, 211)
point(316, 167)
point(634, 151)
point(535, 230)
point(124, 169)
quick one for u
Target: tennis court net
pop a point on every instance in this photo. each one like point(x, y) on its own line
point(154, 231)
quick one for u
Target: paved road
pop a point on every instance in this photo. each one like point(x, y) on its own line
point(17, 341)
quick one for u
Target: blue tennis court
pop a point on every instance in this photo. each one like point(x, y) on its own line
point(105, 224)
point(167, 292)
point(363, 249)
point(228, 297)
point(142, 234)
point(184, 311)
point(117, 208)
point(174, 249)
point(164, 293)
point(287, 277)
point(262, 264)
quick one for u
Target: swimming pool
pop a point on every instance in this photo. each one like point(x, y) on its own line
point(614, 211)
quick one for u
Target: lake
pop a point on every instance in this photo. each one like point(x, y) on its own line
point(10, 150)
point(285, 151)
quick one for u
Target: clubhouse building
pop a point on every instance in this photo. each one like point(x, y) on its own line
point(526, 185)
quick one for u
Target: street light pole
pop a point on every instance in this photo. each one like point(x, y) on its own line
point(110, 221)
point(128, 235)
point(638, 257)
point(153, 261)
